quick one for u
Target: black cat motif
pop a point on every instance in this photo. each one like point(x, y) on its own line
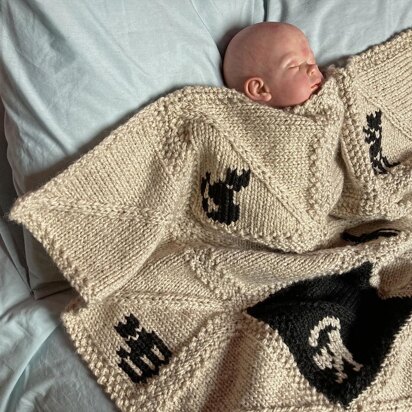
point(217, 198)
point(373, 136)
point(147, 352)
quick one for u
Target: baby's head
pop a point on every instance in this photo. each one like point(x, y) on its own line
point(272, 63)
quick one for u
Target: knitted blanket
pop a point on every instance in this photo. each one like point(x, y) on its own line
point(234, 257)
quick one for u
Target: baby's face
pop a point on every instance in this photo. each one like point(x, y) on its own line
point(272, 63)
point(292, 74)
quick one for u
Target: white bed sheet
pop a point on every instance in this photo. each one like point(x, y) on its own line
point(39, 370)
point(28, 328)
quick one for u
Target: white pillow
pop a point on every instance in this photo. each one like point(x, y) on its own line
point(74, 70)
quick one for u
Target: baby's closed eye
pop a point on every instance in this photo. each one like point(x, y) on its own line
point(299, 63)
point(295, 64)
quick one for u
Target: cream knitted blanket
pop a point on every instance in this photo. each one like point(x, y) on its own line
point(234, 257)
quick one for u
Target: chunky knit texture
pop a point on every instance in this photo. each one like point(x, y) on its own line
point(376, 90)
point(234, 257)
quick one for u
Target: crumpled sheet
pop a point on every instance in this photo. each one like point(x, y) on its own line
point(39, 370)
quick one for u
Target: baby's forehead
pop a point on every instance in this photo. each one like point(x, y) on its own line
point(287, 47)
point(297, 46)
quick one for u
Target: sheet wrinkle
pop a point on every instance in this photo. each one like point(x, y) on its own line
point(105, 35)
point(7, 245)
point(204, 24)
point(35, 106)
point(18, 372)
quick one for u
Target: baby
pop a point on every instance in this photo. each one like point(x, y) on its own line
point(272, 63)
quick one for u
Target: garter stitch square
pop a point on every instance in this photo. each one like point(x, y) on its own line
point(234, 257)
point(376, 90)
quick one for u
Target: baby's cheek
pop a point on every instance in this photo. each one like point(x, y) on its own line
point(294, 90)
point(301, 90)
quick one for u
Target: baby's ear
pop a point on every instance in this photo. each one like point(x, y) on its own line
point(256, 89)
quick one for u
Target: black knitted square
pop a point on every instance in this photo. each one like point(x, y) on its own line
point(337, 328)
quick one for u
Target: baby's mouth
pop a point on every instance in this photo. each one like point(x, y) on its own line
point(315, 87)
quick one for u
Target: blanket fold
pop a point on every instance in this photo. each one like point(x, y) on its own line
point(202, 164)
point(230, 256)
point(376, 137)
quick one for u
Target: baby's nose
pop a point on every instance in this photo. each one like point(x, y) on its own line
point(312, 69)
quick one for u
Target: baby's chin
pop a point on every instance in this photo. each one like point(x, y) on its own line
point(292, 101)
point(295, 99)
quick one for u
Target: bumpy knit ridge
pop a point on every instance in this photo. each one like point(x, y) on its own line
point(234, 257)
